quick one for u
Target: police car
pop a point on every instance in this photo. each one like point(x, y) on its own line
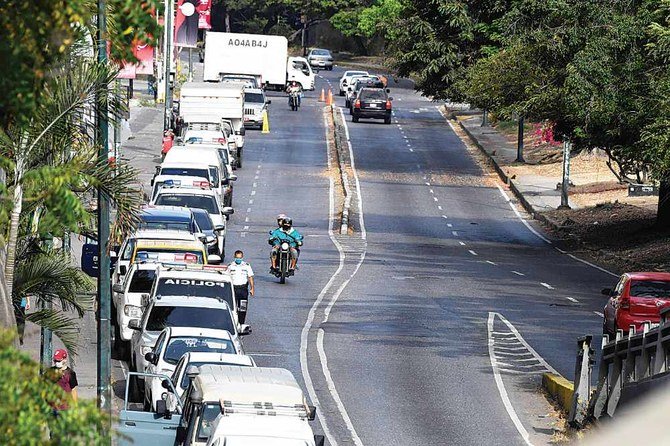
point(172, 344)
point(127, 298)
point(211, 281)
point(199, 198)
point(178, 311)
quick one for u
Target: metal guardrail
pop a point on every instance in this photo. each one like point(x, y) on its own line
point(631, 366)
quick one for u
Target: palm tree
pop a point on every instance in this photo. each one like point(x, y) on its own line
point(53, 169)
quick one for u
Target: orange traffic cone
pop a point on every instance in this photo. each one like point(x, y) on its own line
point(330, 98)
point(323, 96)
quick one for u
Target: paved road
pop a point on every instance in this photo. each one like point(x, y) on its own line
point(451, 279)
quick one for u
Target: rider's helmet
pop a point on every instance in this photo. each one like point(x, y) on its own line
point(281, 218)
point(287, 223)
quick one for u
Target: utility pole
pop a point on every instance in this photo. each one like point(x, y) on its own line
point(169, 13)
point(565, 185)
point(519, 143)
point(485, 118)
point(103, 311)
point(303, 20)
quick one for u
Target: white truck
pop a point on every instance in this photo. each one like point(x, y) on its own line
point(261, 56)
point(206, 102)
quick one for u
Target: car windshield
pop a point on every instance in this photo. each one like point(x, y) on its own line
point(185, 171)
point(142, 281)
point(321, 52)
point(650, 288)
point(254, 97)
point(180, 345)
point(195, 287)
point(373, 94)
point(206, 202)
point(165, 316)
point(178, 225)
point(203, 220)
point(185, 379)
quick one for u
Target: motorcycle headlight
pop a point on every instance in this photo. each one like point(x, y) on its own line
point(284, 245)
point(133, 311)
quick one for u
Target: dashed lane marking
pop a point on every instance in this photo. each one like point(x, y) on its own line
point(598, 313)
point(454, 233)
point(462, 243)
point(518, 273)
point(435, 198)
point(547, 286)
point(472, 252)
point(491, 263)
point(572, 299)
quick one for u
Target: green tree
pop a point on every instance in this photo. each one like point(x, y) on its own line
point(26, 412)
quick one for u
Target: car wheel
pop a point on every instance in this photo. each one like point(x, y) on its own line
point(387, 120)
point(341, 93)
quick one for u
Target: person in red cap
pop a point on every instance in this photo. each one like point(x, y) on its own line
point(64, 376)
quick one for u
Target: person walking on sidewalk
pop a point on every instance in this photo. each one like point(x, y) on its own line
point(243, 283)
point(64, 376)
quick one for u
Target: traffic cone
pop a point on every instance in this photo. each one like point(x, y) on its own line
point(266, 122)
point(330, 98)
point(323, 96)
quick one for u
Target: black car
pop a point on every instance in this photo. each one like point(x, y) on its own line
point(372, 103)
point(208, 228)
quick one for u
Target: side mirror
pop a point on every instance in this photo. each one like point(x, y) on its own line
point(210, 239)
point(123, 269)
point(269, 101)
point(311, 416)
point(245, 330)
point(213, 259)
point(227, 211)
point(232, 178)
point(151, 357)
point(118, 288)
point(161, 409)
point(134, 324)
point(606, 292)
point(219, 228)
point(192, 371)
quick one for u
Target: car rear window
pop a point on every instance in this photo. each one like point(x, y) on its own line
point(179, 226)
point(165, 316)
point(650, 288)
point(180, 345)
point(185, 171)
point(205, 202)
point(254, 97)
point(373, 94)
point(142, 281)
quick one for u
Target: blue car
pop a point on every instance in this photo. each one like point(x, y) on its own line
point(168, 217)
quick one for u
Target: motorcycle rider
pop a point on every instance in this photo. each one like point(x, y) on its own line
point(294, 88)
point(286, 233)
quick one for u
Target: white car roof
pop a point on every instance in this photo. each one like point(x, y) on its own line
point(147, 265)
point(185, 191)
point(355, 73)
point(262, 431)
point(253, 90)
point(173, 332)
point(227, 358)
point(162, 234)
point(185, 164)
point(164, 271)
point(191, 301)
point(238, 385)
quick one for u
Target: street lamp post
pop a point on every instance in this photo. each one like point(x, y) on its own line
point(519, 142)
point(303, 20)
point(565, 184)
point(103, 312)
point(169, 13)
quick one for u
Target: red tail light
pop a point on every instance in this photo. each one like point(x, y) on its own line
point(190, 258)
point(388, 104)
point(624, 302)
point(222, 140)
point(357, 104)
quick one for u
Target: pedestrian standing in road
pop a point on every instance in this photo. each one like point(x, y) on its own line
point(64, 376)
point(243, 283)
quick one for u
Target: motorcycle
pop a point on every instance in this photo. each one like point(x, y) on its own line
point(294, 100)
point(283, 262)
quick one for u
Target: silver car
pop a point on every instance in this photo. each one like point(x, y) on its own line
point(255, 103)
point(320, 59)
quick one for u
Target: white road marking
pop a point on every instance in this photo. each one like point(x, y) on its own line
point(251, 201)
point(491, 263)
point(454, 233)
point(435, 198)
point(427, 183)
point(501, 387)
point(449, 225)
point(547, 286)
point(472, 252)
point(518, 214)
point(432, 191)
point(243, 234)
point(439, 208)
point(444, 216)
point(253, 192)
point(256, 177)
point(246, 220)
point(248, 210)
point(592, 265)
point(411, 150)
point(518, 273)
point(462, 243)
point(254, 186)
point(246, 228)
point(572, 299)
point(598, 313)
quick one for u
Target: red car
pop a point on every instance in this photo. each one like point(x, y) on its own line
point(637, 298)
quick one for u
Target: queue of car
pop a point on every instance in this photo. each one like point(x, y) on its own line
point(175, 316)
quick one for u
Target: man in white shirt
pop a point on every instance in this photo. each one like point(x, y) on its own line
point(243, 283)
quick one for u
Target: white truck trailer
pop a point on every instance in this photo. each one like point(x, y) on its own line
point(265, 57)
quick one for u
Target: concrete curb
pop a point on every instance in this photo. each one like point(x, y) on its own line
point(340, 140)
point(512, 186)
point(560, 389)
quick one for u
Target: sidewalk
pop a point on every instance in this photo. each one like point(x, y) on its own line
point(537, 194)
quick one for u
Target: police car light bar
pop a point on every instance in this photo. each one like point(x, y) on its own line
point(162, 257)
point(194, 267)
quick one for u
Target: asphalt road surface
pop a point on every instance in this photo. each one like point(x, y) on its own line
point(452, 291)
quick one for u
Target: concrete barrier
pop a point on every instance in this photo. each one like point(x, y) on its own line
point(559, 388)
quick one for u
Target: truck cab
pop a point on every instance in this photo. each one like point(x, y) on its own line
point(227, 405)
point(299, 70)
